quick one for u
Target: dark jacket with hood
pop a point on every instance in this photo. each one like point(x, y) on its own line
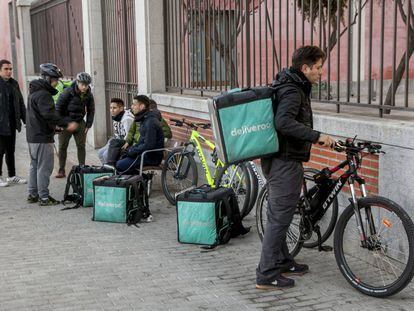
point(42, 117)
point(12, 108)
point(73, 106)
point(293, 119)
point(152, 137)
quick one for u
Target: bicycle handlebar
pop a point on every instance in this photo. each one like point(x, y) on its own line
point(349, 146)
point(192, 125)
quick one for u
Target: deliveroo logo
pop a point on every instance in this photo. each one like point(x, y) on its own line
point(246, 129)
point(110, 205)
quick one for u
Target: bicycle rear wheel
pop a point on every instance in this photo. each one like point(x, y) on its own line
point(254, 186)
point(384, 264)
point(179, 173)
point(293, 236)
point(238, 178)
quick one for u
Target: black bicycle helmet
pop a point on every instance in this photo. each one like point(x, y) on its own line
point(84, 77)
point(50, 70)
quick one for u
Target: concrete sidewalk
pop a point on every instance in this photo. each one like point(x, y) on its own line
point(61, 260)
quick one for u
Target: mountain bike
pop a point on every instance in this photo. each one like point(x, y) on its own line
point(180, 169)
point(374, 236)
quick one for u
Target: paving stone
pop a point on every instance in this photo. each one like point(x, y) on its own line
point(61, 260)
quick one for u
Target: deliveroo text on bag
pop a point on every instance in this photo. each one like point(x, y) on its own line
point(248, 130)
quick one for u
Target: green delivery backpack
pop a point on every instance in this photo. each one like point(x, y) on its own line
point(243, 124)
point(208, 216)
point(80, 180)
point(120, 198)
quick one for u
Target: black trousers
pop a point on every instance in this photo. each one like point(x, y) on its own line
point(8, 147)
point(284, 181)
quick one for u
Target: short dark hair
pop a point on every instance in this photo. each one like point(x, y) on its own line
point(4, 62)
point(153, 104)
point(143, 100)
point(117, 101)
point(307, 55)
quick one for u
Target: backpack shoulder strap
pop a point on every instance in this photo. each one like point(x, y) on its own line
point(76, 195)
point(140, 197)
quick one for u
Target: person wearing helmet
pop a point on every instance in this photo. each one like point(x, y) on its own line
point(41, 122)
point(73, 104)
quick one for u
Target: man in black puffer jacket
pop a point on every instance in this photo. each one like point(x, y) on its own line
point(13, 112)
point(73, 104)
point(41, 121)
point(284, 171)
point(151, 137)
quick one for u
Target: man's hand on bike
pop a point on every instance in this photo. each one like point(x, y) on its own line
point(125, 146)
point(326, 141)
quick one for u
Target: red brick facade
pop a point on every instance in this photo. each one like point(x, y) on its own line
point(321, 156)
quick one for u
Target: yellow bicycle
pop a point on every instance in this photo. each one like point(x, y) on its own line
point(180, 169)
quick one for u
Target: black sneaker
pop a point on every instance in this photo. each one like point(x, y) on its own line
point(297, 269)
point(48, 202)
point(32, 199)
point(280, 283)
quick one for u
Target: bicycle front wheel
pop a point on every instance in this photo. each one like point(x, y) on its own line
point(238, 178)
point(382, 265)
point(179, 173)
point(293, 237)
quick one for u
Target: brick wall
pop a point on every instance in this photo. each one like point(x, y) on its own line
point(321, 157)
point(182, 133)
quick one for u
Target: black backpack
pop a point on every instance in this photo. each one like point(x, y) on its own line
point(79, 177)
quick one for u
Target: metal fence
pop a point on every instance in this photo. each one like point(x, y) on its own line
point(57, 35)
point(120, 49)
point(216, 45)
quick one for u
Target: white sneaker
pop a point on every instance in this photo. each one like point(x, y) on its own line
point(148, 219)
point(3, 182)
point(16, 180)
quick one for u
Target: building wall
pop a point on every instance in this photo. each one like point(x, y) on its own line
point(389, 175)
point(5, 50)
point(5, 42)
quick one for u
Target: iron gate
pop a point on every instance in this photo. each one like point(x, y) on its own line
point(216, 45)
point(57, 34)
point(120, 49)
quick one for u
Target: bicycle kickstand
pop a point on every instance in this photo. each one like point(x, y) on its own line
point(321, 248)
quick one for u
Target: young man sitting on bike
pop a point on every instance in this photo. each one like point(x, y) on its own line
point(150, 137)
point(284, 171)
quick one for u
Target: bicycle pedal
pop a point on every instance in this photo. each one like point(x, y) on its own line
point(325, 248)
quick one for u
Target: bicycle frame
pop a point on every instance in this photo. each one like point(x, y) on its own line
point(194, 141)
point(351, 176)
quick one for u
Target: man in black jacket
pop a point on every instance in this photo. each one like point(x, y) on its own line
point(284, 172)
point(13, 112)
point(42, 120)
point(151, 137)
point(73, 104)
